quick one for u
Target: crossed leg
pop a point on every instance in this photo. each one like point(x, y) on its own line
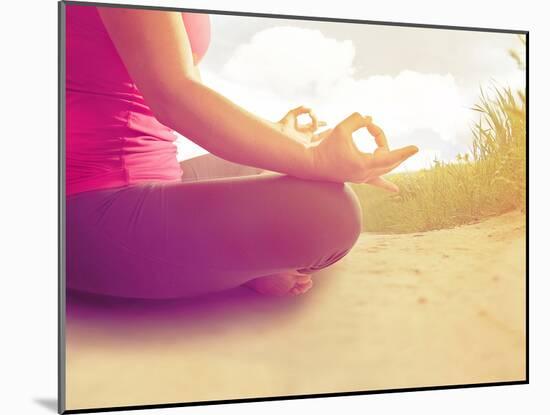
point(181, 239)
point(209, 167)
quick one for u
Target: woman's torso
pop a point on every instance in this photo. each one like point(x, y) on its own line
point(112, 137)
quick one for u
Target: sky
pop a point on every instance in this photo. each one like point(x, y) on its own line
point(418, 84)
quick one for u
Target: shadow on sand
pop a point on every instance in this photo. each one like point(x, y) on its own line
point(127, 318)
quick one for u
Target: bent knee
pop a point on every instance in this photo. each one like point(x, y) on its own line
point(334, 218)
point(346, 216)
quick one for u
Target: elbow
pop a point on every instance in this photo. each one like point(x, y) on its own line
point(172, 103)
point(164, 117)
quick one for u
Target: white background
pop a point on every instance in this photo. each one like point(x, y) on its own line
point(28, 168)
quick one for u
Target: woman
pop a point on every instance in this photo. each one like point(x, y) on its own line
point(138, 227)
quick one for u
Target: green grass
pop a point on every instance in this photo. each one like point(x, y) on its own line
point(487, 181)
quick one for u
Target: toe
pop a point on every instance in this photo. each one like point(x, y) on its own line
point(302, 288)
point(302, 278)
point(307, 286)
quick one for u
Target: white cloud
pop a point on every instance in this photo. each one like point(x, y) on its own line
point(282, 67)
point(290, 60)
point(401, 103)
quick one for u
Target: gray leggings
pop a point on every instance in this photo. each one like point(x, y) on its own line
point(221, 226)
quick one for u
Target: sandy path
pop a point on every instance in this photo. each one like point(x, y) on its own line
point(436, 308)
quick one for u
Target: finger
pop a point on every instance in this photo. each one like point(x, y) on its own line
point(314, 121)
point(353, 122)
point(380, 171)
point(374, 172)
point(299, 110)
point(378, 134)
point(312, 126)
point(303, 128)
point(386, 159)
point(293, 113)
point(383, 184)
point(309, 127)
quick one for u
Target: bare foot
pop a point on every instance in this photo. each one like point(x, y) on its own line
point(291, 283)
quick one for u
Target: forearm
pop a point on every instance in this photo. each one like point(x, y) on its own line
point(230, 132)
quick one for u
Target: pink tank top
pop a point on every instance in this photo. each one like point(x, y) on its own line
point(112, 137)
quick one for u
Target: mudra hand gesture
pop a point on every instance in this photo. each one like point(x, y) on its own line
point(337, 158)
point(302, 132)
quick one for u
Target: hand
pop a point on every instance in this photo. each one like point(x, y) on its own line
point(304, 133)
point(336, 158)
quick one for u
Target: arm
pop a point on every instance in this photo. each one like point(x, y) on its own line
point(156, 51)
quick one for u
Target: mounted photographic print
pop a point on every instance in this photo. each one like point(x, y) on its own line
point(257, 207)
